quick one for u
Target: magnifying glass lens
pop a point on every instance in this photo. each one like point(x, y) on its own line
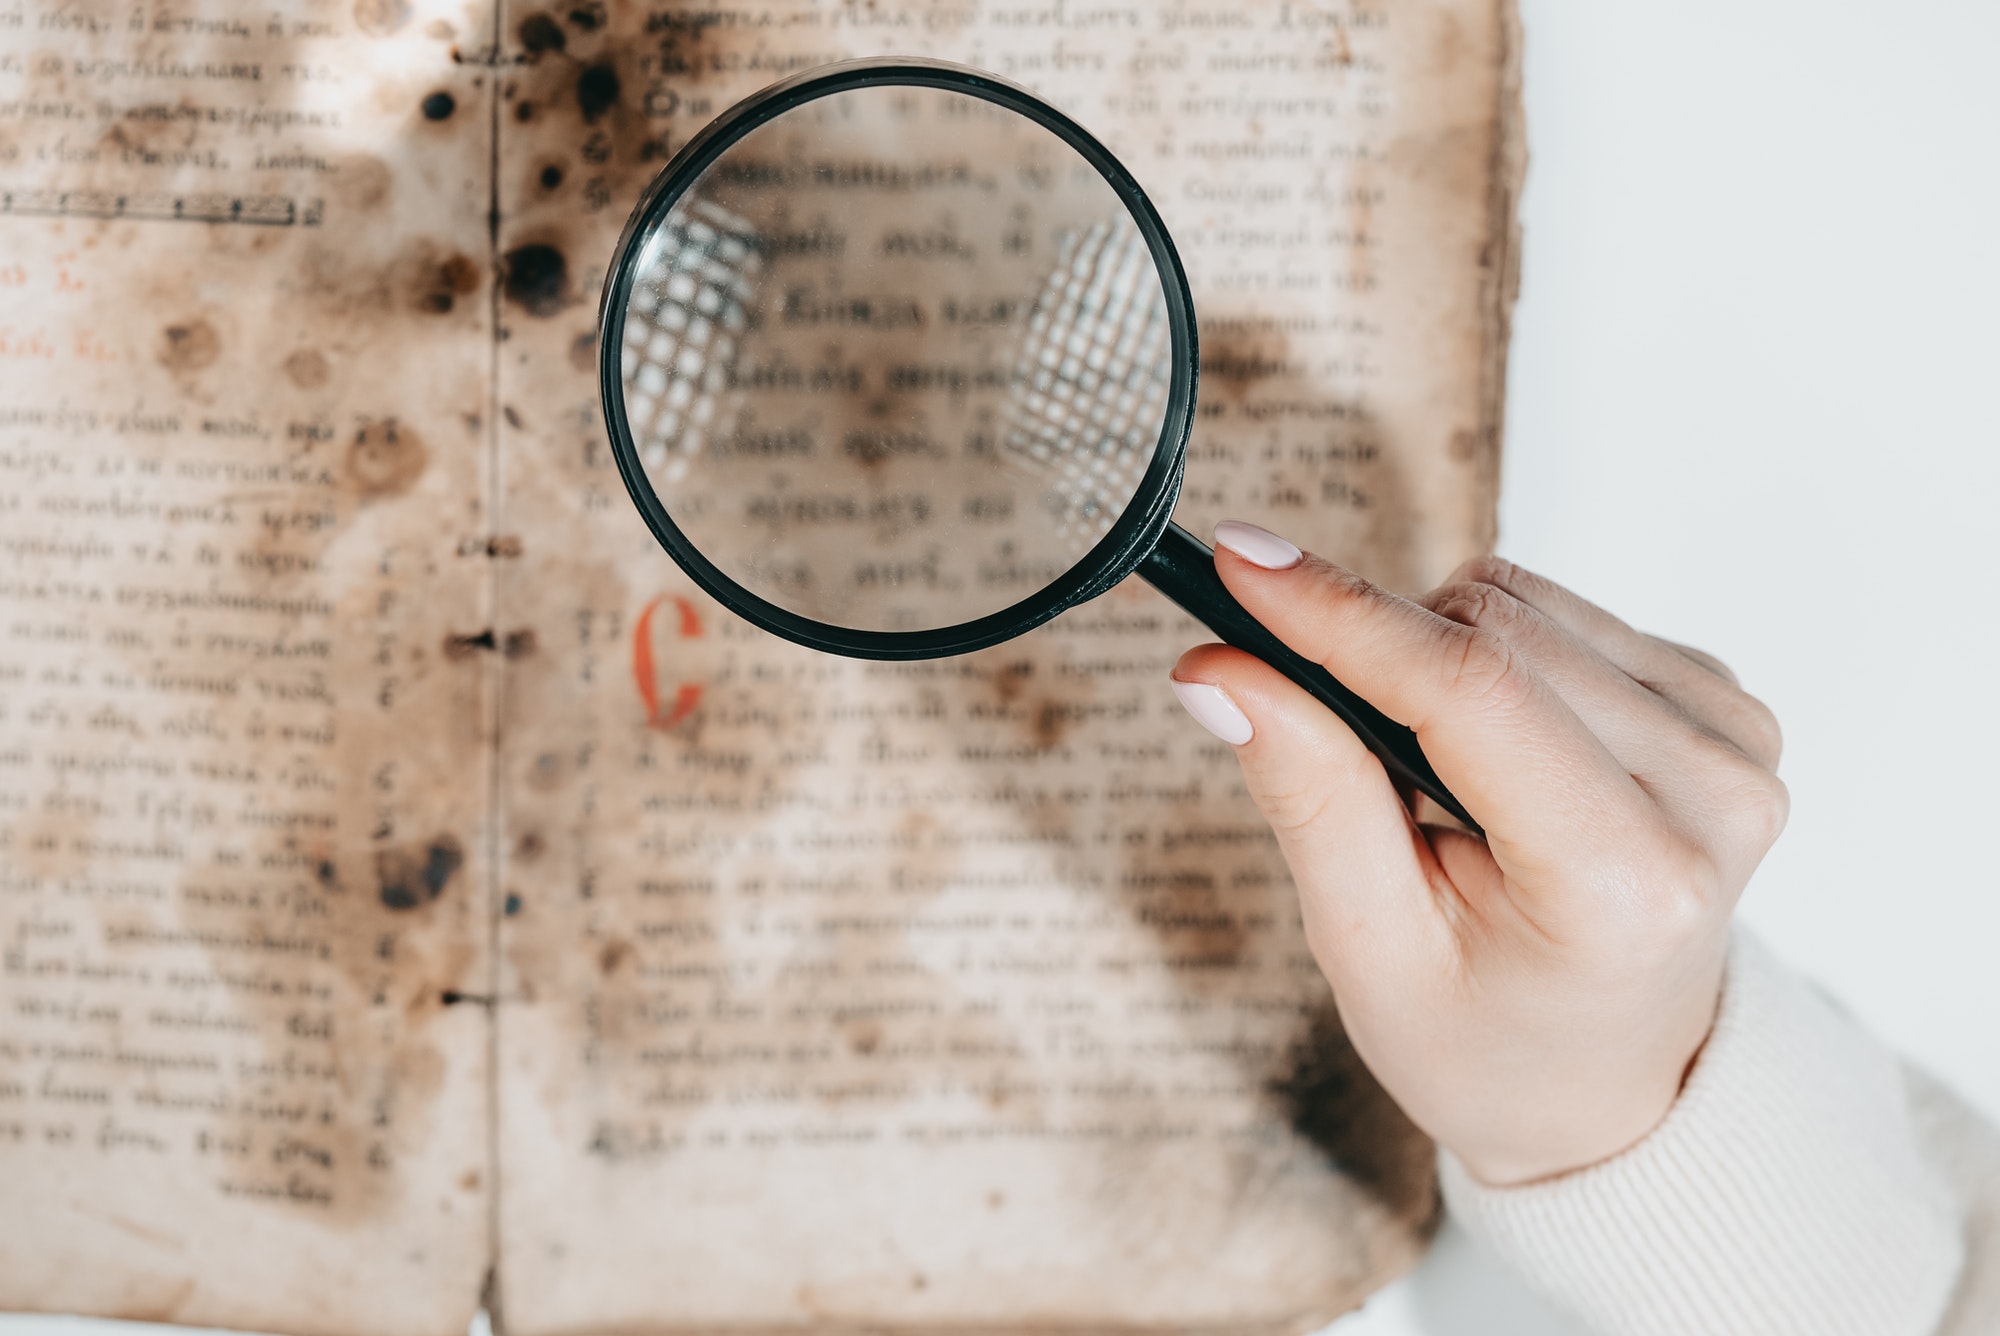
point(893, 368)
point(896, 360)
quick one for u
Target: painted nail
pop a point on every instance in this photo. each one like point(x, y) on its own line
point(1259, 547)
point(1214, 711)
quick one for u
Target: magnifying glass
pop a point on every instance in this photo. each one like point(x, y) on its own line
point(899, 362)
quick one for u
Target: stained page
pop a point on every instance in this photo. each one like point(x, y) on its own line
point(968, 992)
point(244, 358)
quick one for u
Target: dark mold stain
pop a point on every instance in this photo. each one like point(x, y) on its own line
point(512, 415)
point(379, 18)
point(327, 873)
point(511, 906)
point(529, 847)
point(439, 106)
point(551, 177)
point(597, 90)
point(307, 369)
point(412, 878)
point(386, 458)
point(583, 353)
point(588, 16)
point(189, 346)
point(458, 647)
point(524, 111)
point(515, 644)
point(541, 33)
point(536, 278)
point(614, 954)
point(1331, 1099)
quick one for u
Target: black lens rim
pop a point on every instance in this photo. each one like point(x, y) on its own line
point(1114, 556)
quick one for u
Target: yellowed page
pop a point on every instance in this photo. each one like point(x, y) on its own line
point(969, 993)
point(244, 355)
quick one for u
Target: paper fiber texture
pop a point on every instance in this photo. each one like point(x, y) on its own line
point(406, 875)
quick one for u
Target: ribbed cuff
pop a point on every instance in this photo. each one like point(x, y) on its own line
point(1784, 1192)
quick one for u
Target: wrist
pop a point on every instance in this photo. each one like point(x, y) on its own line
point(1608, 1108)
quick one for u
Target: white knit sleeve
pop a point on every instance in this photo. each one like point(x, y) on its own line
point(1785, 1192)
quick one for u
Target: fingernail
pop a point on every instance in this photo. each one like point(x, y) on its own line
point(1259, 547)
point(1214, 711)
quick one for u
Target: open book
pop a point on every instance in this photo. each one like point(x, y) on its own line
point(412, 889)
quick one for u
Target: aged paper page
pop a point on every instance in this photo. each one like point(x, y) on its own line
point(967, 993)
point(244, 359)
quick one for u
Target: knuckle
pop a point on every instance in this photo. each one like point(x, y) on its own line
point(1489, 570)
point(1291, 810)
point(1475, 604)
point(1759, 807)
point(1685, 893)
point(1702, 659)
point(1746, 799)
point(1338, 580)
point(1336, 595)
point(1481, 668)
point(1765, 740)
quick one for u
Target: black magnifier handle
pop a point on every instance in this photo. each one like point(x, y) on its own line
point(1182, 567)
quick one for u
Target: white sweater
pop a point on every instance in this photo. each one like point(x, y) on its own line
point(1804, 1182)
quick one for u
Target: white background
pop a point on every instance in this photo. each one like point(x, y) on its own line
point(1753, 407)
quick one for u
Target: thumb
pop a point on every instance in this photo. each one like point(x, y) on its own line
point(1361, 866)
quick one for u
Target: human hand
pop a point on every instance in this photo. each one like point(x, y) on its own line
point(1533, 999)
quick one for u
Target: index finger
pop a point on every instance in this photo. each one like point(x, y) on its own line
point(1512, 751)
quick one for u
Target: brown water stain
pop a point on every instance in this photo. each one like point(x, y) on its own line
point(1237, 362)
point(381, 18)
point(437, 283)
point(361, 182)
point(188, 345)
point(308, 369)
point(385, 459)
